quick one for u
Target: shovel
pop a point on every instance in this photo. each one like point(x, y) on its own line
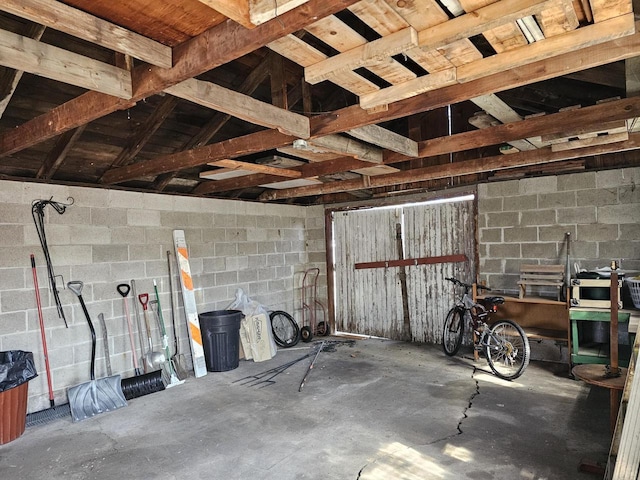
point(152, 360)
point(97, 396)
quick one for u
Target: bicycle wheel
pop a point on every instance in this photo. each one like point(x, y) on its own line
point(286, 331)
point(507, 349)
point(453, 331)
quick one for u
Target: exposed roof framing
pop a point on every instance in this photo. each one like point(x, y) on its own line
point(306, 100)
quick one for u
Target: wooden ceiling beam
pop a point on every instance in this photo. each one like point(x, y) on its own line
point(257, 168)
point(236, 10)
point(466, 167)
point(480, 20)
point(241, 106)
point(29, 55)
point(58, 153)
point(219, 45)
point(11, 77)
point(386, 139)
point(355, 116)
point(77, 23)
point(234, 147)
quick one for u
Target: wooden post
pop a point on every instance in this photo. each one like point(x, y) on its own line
point(406, 330)
point(613, 325)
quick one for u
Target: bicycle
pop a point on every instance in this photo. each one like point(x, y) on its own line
point(504, 343)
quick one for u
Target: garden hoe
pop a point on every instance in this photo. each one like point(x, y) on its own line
point(97, 396)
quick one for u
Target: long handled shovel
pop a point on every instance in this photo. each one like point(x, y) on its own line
point(141, 384)
point(97, 396)
point(152, 360)
point(179, 361)
point(173, 377)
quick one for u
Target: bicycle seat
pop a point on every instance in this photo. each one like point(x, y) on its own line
point(494, 300)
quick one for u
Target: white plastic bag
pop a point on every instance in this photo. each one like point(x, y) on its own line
point(255, 330)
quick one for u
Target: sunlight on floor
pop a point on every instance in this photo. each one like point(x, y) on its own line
point(400, 462)
point(490, 378)
point(458, 453)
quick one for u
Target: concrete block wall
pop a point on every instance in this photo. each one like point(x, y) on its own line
point(108, 237)
point(525, 222)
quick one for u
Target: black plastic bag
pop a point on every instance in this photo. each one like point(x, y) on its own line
point(16, 368)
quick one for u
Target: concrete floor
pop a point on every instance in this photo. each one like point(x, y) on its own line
point(372, 410)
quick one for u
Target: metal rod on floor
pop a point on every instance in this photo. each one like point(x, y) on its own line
point(310, 367)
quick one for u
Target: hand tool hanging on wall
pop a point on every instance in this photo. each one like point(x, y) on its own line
point(179, 360)
point(97, 396)
point(37, 212)
point(173, 377)
point(43, 416)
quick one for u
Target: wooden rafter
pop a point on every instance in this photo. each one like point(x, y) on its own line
point(256, 168)
point(77, 23)
point(29, 55)
point(145, 131)
point(219, 45)
point(59, 152)
point(241, 106)
point(10, 78)
point(467, 167)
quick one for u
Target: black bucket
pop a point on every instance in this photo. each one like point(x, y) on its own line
point(221, 339)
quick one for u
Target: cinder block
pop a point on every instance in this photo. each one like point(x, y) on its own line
point(41, 191)
point(275, 259)
point(504, 250)
point(267, 273)
point(629, 194)
point(72, 254)
point(191, 204)
point(90, 235)
point(225, 221)
point(488, 266)
point(89, 197)
point(91, 273)
point(597, 197)
point(504, 219)
point(266, 247)
point(225, 249)
point(16, 213)
point(597, 232)
point(146, 252)
point(577, 215)
point(196, 219)
point(618, 214)
point(538, 217)
point(557, 200)
point(236, 263)
point(127, 235)
point(520, 202)
point(584, 250)
point(11, 235)
point(577, 181)
point(247, 221)
point(237, 235)
point(540, 251)
point(556, 233)
point(175, 220)
point(257, 261)
point(14, 321)
point(498, 189)
point(14, 278)
point(489, 205)
point(247, 248)
point(152, 201)
point(108, 217)
point(628, 231)
point(123, 272)
point(11, 192)
point(538, 185)
point(73, 215)
point(617, 250)
point(147, 218)
point(123, 199)
point(106, 253)
point(265, 222)
point(16, 300)
point(214, 234)
point(520, 234)
point(226, 278)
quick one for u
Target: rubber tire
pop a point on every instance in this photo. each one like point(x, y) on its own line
point(306, 334)
point(323, 329)
point(516, 340)
point(453, 331)
point(286, 331)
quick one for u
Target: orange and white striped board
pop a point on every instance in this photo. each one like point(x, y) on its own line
point(189, 300)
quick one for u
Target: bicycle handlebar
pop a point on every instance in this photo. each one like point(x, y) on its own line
point(455, 281)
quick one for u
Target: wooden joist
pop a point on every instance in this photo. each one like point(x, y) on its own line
point(241, 106)
point(256, 168)
point(29, 55)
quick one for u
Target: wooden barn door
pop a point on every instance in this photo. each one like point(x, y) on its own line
point(390, 265)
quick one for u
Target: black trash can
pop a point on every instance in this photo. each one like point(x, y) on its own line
point(221, 339)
